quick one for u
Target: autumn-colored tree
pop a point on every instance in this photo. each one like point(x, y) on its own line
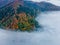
point(14, 23)
point(23, 22)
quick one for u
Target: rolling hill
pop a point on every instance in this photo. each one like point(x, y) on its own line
point(21, 15)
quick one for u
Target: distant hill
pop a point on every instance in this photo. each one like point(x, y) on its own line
point(42, 6)
point(48, 6)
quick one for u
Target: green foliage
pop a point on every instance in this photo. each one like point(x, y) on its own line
point(6, 11)
point(26, 10)
point(28, 23)
point(6, 23)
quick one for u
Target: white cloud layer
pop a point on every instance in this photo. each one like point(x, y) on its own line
point(50, 36)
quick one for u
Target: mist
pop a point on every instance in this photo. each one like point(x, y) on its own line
point(50, 34)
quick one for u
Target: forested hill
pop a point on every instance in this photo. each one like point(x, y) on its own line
point(16, 16)
point(42, 6)
point(20, 15)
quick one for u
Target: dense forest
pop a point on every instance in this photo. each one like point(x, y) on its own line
point(22, 18)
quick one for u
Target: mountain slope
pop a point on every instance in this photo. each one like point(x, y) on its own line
point(5, 2)
point(43, 6)
point(18, 17)
point(48, 6)
point(21, 16)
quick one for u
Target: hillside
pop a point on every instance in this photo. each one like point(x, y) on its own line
point(42, 6)
point(18, 17)
point(46, 6)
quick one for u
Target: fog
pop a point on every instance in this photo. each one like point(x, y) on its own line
point(50, 34)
